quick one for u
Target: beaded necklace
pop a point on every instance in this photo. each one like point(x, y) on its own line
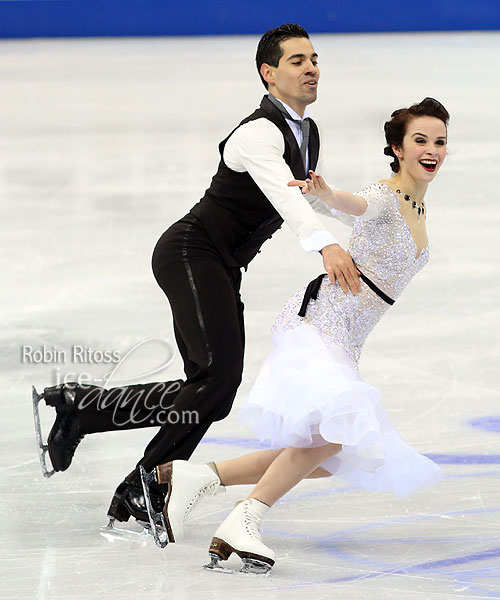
point(419, 208)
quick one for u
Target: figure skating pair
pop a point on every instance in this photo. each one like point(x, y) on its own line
point(309, 401)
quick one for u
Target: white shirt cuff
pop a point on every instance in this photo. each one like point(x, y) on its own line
point(317, 241)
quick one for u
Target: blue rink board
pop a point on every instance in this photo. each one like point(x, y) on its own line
point(75, 18)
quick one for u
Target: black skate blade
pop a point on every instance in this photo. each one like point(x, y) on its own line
point(112, 533)
point(156, 519)
point(42, 448)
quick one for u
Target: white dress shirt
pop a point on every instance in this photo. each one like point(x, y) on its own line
point(257, 147)
point(295, 127)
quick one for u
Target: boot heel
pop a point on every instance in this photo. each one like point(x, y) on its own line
point(164, 473)
point(220, 548)
point(60, 396)
point(53, 395)
point(116, 509)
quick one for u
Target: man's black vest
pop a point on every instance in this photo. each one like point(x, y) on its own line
point(234, 211)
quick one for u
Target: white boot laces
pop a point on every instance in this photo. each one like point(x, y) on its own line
point(210, 490)
point(252, 523)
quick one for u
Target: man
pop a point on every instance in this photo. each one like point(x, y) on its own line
point(197, 262)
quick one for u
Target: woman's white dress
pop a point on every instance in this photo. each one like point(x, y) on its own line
point(309, 391)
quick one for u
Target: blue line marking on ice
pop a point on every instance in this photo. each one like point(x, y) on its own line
point(465, 459)
point(491, 423)
point(458, 560)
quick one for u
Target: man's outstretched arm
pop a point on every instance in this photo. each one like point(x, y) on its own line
point(257, 147)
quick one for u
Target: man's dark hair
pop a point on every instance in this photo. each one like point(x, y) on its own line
point(269, 50)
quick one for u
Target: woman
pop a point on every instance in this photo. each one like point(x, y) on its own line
point(309, 399)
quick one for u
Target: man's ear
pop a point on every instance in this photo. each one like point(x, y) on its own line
point(267, 73)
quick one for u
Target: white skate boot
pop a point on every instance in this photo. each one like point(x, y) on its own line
point(187, 483)
point(240, 533)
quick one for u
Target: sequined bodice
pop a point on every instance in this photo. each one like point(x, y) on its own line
point(383, 249)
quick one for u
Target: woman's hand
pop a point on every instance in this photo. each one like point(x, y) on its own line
point(352, 204)
point(315, 185)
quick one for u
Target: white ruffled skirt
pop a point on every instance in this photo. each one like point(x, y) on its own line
point(308, 394)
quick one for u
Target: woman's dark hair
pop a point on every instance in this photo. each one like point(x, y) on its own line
point(395, 129)
point(269, 50)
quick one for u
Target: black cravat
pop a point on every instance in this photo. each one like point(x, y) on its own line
point(302, 123)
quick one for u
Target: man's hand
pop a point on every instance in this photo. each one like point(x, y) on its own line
point(340, 267)
point(315, 185)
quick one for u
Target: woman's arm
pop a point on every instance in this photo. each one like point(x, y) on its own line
point(340, 200)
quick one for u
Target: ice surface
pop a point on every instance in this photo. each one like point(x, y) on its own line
point(103, 144)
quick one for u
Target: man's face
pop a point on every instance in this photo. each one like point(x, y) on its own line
point(295, 79)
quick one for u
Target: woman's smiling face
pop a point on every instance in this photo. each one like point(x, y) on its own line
point(424, 148)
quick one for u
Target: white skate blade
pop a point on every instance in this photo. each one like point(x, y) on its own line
point(112, 533)
point(42, 448)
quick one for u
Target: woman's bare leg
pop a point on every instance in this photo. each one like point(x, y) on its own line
point(250, 468)
point(288, 468)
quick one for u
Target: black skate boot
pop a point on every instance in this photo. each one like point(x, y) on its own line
point(129, 501)
point(64, 437)
point(66, 433)
point(62, 395)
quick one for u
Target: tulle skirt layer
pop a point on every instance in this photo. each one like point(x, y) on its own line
point(308, 394)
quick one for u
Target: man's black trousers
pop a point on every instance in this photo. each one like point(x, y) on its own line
point(208, 326)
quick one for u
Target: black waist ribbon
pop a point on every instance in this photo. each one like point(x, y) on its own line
point(312, 290)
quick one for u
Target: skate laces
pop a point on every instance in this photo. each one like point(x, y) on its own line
point(252, 522)
point(210, 490)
